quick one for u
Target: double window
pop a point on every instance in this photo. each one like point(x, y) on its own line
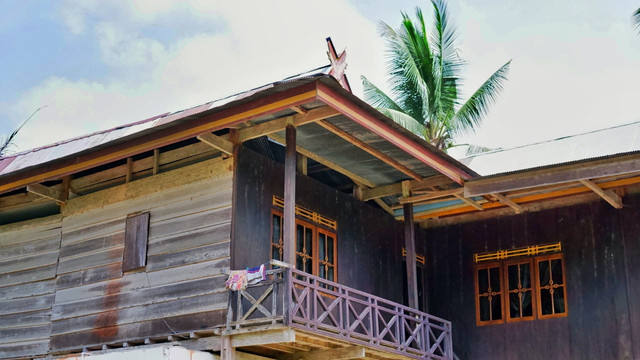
point(521, 289)
point(316, 247)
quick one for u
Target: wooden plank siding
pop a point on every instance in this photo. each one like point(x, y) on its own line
point(369, 241)
point(181, 288)
point(28, 257)
point(601, 249)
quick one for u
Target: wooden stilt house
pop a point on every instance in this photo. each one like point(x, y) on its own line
point(123, 240)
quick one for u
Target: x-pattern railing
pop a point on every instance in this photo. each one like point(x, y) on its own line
point(308, 302)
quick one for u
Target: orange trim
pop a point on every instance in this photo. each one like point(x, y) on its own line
point(333, 99)
point(217, 121)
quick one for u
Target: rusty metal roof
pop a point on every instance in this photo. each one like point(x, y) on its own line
point(44, 154)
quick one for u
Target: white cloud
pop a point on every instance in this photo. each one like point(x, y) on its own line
point(267, 43)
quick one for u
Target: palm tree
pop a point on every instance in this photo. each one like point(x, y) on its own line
point(7, 142)
point(636, 19)
point(424, 79)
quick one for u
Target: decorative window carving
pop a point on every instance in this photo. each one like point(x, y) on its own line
point(520, 289)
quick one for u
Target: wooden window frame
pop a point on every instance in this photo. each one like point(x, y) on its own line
point(564, 286)
point(316, 229)
point(532, 278)
point(502, 265)
point(476, 294)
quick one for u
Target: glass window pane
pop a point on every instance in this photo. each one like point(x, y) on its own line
point(307, 266)
point(543, 272)
point(558, 300)
point(483, 281)
point(484, 309)
point(321, 272)
point(276, 254)
point(556, 271)
point(330, 276)
point(512, 273)
point(546, 302)
point(496, 307)
point(527, 304)
point(321, 246)
point(525, 276)
point(275, 235)
point(330, 241)
point(299, 264)
point(299, 238)
point(514, 305)
point(494, 281)
point(308, 244)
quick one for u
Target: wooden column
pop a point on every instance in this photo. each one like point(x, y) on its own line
point(410, 247)
point(289, 221)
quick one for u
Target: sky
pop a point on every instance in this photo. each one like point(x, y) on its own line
point(100, 64)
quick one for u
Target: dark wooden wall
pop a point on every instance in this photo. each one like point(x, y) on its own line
point(369, 240)
point(601, 247)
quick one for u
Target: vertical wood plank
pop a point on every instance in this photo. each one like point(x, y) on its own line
point(135, 242)
point(156, 161)
point(289, 221)
point(410, 246)
point(129, 173)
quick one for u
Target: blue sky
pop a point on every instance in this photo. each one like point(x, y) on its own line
point(97, 64)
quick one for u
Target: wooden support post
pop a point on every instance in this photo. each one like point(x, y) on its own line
point(47, 192)
point(289, 226)
point(227, 352)
point(351, 352)
point(410, 246)
point(217, 142)
point(301, 164)
point(156, 161)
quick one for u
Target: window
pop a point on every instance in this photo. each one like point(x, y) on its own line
point(136, 234)
point(316, 247)
point(520, 289)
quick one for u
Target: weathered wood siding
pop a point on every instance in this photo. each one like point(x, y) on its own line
point(369, 240)
point(182, 287)
point(28, 259)
point(601, 247)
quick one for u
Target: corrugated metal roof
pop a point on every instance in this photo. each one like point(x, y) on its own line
point(595, 144)
point(44, 154)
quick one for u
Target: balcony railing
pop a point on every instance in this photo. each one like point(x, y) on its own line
point(303, 301)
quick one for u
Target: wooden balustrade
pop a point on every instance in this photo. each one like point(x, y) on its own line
point(300, 300)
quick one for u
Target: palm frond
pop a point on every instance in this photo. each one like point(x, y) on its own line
point(405, 121)
point(8, 141)
point(376, 97)
point(476, 149)
point(470, 115)
point(636, 19)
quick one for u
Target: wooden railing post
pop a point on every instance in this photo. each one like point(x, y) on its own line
point(287, 306)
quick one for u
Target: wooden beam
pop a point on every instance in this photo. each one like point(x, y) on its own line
point(227, 350)
point(366, 147)
point(431, 195)
point(351, 352)
point(393, 189)
point(289, 216)
point(589, 170)
point(473, 203)
point(277, 125)
point(129, 172)
point(433, 158)
point(299, 109)
point(410, 259)
point(505, 200)
point(217, 142)
point(47, 192)
point(302, 164)
point(263, 337)
point(356, 178)
point(608, 195)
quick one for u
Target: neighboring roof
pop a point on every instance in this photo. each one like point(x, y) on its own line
point(44, 154)
point(615, 140)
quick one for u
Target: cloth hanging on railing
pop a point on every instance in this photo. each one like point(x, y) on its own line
point(239, 279)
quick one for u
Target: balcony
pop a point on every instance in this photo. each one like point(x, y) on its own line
point(325, 315)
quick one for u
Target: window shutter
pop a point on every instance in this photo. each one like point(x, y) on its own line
point(135, 242)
